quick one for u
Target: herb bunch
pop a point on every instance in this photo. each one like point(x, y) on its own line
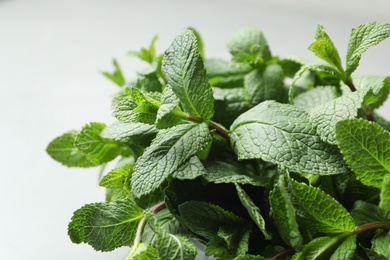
point(257, 157)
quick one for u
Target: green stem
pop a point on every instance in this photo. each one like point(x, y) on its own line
point(219, 130)
point(141, 225)
point(370, 226)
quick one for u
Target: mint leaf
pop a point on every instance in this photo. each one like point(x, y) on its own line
point(319, 211)
point(229, 242)
point(264, 85)
point(171, 246)
point(117, 177)
point(253, 211)
point(283, 134)
point(222, 172)
point(249, 257)
point(283, 214)
point(374, 89)
point(365, 149)
point(190, 170)
point(327, 115)
point(97, 148)
point(105, 226)
point(315, 97)
point(168, 151)
point(380, 244)
point(144, 54)
point(364, 212)
point(184, 71)
point(130, 132)
point(291, 65)
point(362, 37)
point(385, 194)
point(63, 150)
point(248, 45)
point(199, 41)
point(324, 48)
point(345, 250)
point(142, 251)
point(205, 219)
point(116, 76)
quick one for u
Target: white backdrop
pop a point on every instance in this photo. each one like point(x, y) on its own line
point(51, 52)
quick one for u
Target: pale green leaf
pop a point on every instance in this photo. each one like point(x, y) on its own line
point(190, 169)
point(315, 97)
point(105, 226)
point(185, 73)
point(63, 150)
point(248, 45)
point(97, 148)
point(116, 76)
point(374, 89)
point(168, 151)
point(366, 149)
point(253, 211)
point(144, 54)
point(130, 132)
point(264, 85)
point(283, 134)
point(362, 37)
point(326, 116)
point(385, 194)
point(319, 211)
point(142, 251)
point(324, 48)
point(381, 244)
point(283, 214)
point(199, 41)
point(117, 177)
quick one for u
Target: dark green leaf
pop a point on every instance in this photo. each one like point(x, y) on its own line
point(381, 244)
point(364, 212)
point(385, 194)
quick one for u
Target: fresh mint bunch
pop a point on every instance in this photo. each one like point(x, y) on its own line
point(229, 155)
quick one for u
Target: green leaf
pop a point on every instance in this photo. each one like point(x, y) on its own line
point(199, 41)
point(365, 146)
point(322, 248)
point(168, 151)
point(117, 177)
point(116, 76)
point(184, 71)
point(222, 172)
point(315, 97)
point(283, 214)
point(264, 85)
point(253, 211)
point(385, 194)
point(229, 242)
point(327, 115)
point(63, 150)
point(189, 170)
point(381, 244)
point(319, 211)
point(169, 113)
point(345, 250)
point(170, 246)
point(142, 251)
point(374, 89)
point(249, 257)
point(362, 37)
point(97, 148)
point(144, 54)
point(283, 134)
point(205, 219)
point(291, 65)
point(138, 133)
point(324, 48)
point(248, 45)
point(364, 212)
point(105, 226)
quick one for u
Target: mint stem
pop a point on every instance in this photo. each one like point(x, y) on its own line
point(141, 225)
point(222, 132)
point(350, 84)
point(370, 114)
point(370, 226)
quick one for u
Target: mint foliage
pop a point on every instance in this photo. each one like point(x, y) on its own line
point(253, 157)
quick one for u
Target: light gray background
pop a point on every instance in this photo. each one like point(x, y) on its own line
point(51, 53)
